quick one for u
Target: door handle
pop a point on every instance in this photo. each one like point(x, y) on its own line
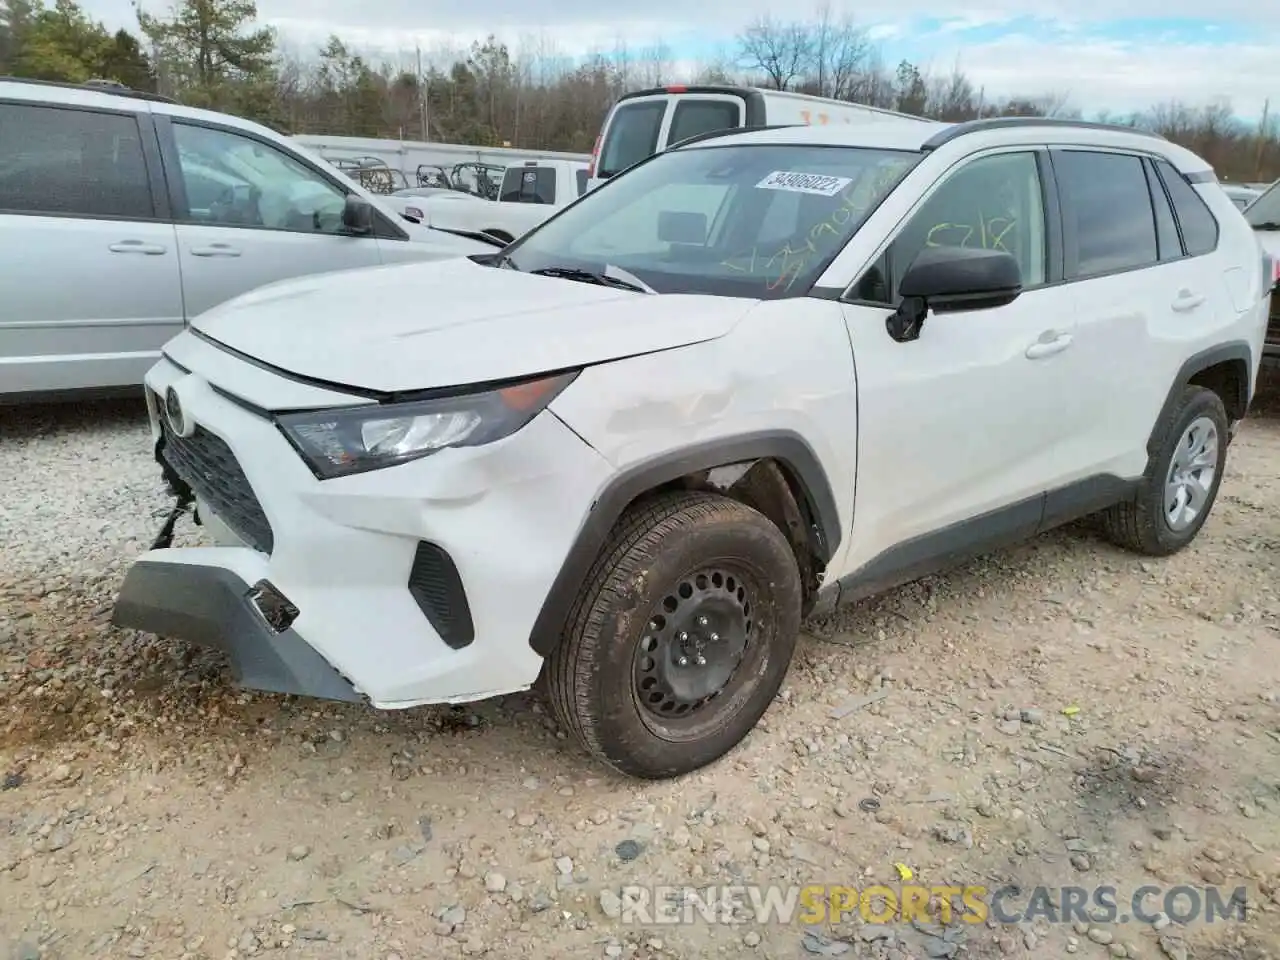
point(215, 250)
point(1048, 344)
point(1186, 300)
point(137, 246)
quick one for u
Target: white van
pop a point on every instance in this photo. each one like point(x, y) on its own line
point(646, 122)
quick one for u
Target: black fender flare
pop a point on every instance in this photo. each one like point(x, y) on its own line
point(787, 448)
point(1238, 350)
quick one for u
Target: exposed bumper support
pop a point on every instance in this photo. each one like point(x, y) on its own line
point(210, 606)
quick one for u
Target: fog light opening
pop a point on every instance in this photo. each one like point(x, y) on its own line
point(273, 606)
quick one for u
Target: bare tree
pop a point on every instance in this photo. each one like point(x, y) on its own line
point(783, 52)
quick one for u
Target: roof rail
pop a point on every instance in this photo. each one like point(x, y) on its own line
point(955, 131)
point(98, 84)
point(728, 131)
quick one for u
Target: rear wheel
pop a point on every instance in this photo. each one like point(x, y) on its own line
point(680, 638)
point(1182, 482)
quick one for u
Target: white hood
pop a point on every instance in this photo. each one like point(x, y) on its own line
point(452, 322)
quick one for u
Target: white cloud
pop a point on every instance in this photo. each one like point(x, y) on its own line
point(1117, 75)
point(1126, 77)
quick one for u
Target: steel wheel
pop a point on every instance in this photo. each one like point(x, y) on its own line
point(695, 641)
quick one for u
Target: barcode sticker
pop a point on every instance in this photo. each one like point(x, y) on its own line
point(814, 183)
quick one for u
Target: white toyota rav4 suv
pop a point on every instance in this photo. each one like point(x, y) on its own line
point(756, 375)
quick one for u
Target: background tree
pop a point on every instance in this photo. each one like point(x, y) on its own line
point(212, 53)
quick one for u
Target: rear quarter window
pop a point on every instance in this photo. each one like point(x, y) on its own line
point(632, 135)
point(1199, 228)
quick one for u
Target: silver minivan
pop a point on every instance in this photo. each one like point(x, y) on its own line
point(123, 215)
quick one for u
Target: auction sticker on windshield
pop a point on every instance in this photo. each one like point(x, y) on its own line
point(814, 183)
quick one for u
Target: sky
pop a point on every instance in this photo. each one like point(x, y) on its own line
point(1160, 50)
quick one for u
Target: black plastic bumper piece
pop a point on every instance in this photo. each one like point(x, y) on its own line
point(436, 586)
point(210, 607)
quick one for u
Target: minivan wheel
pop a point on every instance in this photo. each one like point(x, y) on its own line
point(1182, 482)
point(680, 638)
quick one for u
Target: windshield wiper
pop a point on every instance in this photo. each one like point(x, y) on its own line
point(1267, 225)
point(588, 276)
point(482, 237)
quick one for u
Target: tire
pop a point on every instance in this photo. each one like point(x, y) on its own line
point(1143, 525)
point(621, 690)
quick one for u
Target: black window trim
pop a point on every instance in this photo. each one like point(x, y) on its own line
point(1154, 183)
point(151, 159)
point(1049, 201)
point(383, 227)
point(1182, 234)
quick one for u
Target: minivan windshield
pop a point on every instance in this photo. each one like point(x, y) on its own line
point(1264, 212)
point(747, 220)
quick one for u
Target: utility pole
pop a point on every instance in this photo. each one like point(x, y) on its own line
point(1264, 134)
point(423, 91)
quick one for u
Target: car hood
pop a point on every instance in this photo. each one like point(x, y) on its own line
point(442, 323)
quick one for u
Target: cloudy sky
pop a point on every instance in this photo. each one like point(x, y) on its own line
point(1160, 49)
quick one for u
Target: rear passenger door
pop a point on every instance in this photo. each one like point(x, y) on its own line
point(88, 261)
point(1137, 296)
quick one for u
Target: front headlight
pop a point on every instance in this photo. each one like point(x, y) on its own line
point(336, 443)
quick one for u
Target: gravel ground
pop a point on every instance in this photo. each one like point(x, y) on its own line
point(1058, 714)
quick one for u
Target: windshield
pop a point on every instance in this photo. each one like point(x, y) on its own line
point(1266, 209)
point(759, 221)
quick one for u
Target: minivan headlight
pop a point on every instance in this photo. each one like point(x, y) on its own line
point(347, 440)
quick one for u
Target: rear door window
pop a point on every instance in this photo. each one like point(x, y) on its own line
point(529, 185)
point(694, 117)
point(633, 135)
point(77, 163)
point(581, 176)
point(1108, 221)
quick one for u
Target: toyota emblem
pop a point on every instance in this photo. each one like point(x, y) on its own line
point(174, 414)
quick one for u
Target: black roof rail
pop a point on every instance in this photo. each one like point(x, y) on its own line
point(728, 131)
point(955, 131)
point(98, 84)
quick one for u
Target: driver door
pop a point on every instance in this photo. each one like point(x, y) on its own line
point(249, 214)
point(960, 432)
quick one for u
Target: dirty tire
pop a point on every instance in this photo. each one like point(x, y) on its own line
point(1140, 524)
point(660, 551)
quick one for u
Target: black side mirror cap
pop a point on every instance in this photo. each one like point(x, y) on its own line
point(357, 215)
point(951, 279)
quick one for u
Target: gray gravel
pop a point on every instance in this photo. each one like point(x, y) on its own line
point(1062, 713)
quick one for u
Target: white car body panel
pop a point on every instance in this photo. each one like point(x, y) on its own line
point(429, 334)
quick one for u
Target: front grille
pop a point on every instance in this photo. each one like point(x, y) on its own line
point(1273, 322)
point(436, 586)
point(207, 465)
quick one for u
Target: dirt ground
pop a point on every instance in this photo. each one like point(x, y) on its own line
point(1062, 714)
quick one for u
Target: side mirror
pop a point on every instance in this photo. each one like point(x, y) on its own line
point(951, 279)
point(357, 215)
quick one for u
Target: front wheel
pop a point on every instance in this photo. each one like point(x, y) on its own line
point(681, 636)
point(1180, 487)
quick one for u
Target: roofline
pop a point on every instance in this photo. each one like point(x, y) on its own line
point(728, 132)
point(745, 92)
point(690, 88)
point(96, 86)
point(957, 130)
